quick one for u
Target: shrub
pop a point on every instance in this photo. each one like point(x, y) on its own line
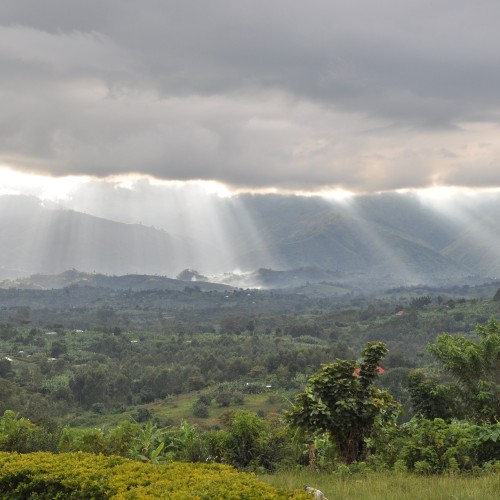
point(79, 475)
point(448, 447)
point(121, 439)
point(246, 439)
point(87, 440)
point(19, 434)
point(201, 410)
point(444, 447)
point(486, 442)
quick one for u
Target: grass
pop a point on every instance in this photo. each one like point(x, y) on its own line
point(391, 485)
point(179, 408)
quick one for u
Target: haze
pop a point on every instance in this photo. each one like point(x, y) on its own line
point(150, 112)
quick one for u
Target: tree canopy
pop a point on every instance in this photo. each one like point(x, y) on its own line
point(341, 400)
point(475, 367)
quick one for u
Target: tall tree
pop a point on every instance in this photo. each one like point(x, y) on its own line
point(90, 384)
point(475, 366)
point(341, 400)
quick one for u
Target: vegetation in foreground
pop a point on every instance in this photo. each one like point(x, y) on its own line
point(46, 476)
point(342, 419)
point(344, 425)
point(86, 356)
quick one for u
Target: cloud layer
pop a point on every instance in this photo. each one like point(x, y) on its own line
point(303, 95)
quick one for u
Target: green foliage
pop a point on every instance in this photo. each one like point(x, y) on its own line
point(486, 440)
point(170, 342)
point(121, 439)
point(6, 368)
point(475, 366)
point(252, 443)
point(86, 440)
point(420, 302)
point(216, 445)
point(89, 384)
point(186, 443)
point(148, 443)
point(19, 434)
point(432, 399)
point(201, 409)
point(223, 399)
point(435, 446)
point(451, 447)
point(78, 475)
point(246, 439)
point(341, 400)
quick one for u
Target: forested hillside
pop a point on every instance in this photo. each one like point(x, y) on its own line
point(265, 381)
point(65, 350)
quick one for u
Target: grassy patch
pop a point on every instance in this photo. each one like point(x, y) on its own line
point(390, 485)
point(178, 408)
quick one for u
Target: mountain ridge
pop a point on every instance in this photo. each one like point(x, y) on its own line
point(393, 238)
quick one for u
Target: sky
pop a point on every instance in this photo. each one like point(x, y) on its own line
point(108, 96)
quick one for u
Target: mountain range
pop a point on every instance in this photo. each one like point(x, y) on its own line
point(391, 239)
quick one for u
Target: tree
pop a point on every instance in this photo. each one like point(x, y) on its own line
point(58, 348)
point(432, 399)
point(341, 400)
point(475, 366)
point(6, 368)
point(89, 384)
point(420, 302)
point(223, 399)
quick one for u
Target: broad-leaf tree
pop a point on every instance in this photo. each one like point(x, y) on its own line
point(475, 365)
point(341, 400)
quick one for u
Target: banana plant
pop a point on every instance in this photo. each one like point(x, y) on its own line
point(149, 444)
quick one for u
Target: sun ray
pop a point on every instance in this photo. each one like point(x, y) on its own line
point(464, 208)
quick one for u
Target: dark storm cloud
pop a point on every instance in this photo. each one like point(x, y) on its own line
point(360, 94)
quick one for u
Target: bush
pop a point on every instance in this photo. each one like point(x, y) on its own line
point(486, 441)
point(46, 476)
point(87, 440)
point(435, 446)
point(246, 439)
point(448, 447)
point(201, 410)
point(21, 435)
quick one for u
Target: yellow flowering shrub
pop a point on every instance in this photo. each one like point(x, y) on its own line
point(85, 476)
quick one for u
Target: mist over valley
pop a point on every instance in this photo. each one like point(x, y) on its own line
point(263, 241)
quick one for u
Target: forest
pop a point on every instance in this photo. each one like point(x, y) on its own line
point(404, 380)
